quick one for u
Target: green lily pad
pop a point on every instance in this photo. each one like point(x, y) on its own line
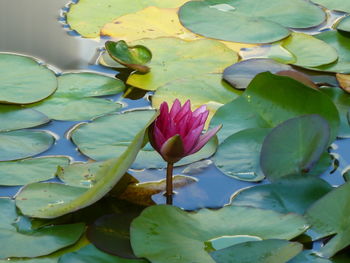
point(165, 234)
point(329, 216)
point(269, 51)
point(86, 84)
point(287, 97)
point(79, 174)
point(241, 74)
point(74, 99)
point(344, 24)
point(272, 17)
point(309, 257)
point(134, 57)
point(50, 200)
point(33, 242)
point(174, 59)
point(28, 83)
point(14, 117)
point(239, 155)
point(30, 170)
point(206, 89)
point(294, 146)
point(20, 144)
point(75, 109)
point(106, 138)
point(265, 251)
point(90, 254)
point(106, 61)
point(87, 17)
point(341, 100)
point(110, 233)
point(341, 43)
point(292, 194)
point(325, 161)
point(309, 51)
point(236, 116)
point(338, 5)
point(54, 257)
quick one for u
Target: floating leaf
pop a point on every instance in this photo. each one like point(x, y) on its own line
point(298, 76)
point(80, 174)
point(20, 144)
point(338, 5)
point(141, 193)
point(106, 61)
point(166, 233)
point(309, 51)
point(287, 97)
point(270, 16)
point(90, 254)
point(14, 117)
point(239, 155)
point(30, 170)
point(324, 163)
point(87, 17)
point(241, 74)
point(28, 83)
point(151, 22)
point(265, 251)
point(86, 84)
point(206, 89)
point(269, 51)
point(54, 257)
point(133, 57)
point(292, 194)
point(110, 233)
point(342, 102)
point(309, 257)
point(342, 44)
point(294, 146)
point(174, 58)
point(76, 109)
point(50, 200)
point(344, 81)
point(329, 216)
point(33, 242)
point(105, 138)
point(72, 100)
point(344, 24)
point(236, 116)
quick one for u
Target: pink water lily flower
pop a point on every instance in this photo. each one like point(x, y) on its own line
point(178, 133)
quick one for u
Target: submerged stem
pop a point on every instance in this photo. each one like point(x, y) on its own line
point(169, 184)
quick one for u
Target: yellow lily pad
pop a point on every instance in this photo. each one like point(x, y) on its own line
point(87, 17)
point(153, 22)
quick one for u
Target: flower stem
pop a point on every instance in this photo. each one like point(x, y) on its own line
point(169, 184)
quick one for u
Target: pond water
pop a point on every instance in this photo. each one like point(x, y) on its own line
point(36, 28)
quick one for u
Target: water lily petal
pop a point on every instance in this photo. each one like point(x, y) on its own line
point(200, 110)
point(175, 108)
point(158, 137)
point(205, 138)
point(192, 138)
point(186, 109)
